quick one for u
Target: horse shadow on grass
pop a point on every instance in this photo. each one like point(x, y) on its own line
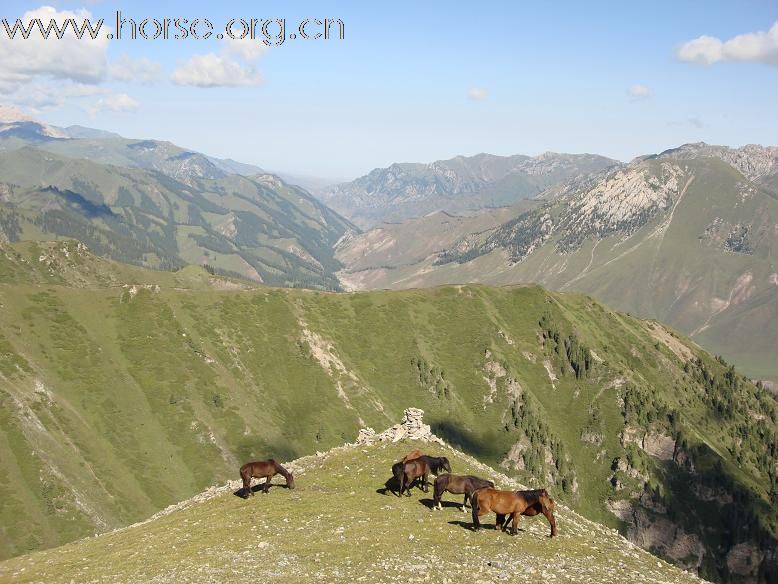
point(469, 525)
point(430, 504)
point(241, 492)
point(392, 487)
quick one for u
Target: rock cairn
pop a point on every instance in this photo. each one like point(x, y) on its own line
point(412, 427)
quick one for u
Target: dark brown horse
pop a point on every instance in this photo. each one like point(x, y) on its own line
point(419, 468)
point(397, 467)
point(266, 469)
point(512, 504)
point(457, 485)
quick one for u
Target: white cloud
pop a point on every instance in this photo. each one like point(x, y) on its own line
point(752, 47)
point(117, 102)
point(68, 58)
point(639, 91)
point(477, 93)
point(212, 70)
point(247, 49)
point(138, 70)
point(38, 73)
point(41, 95)
point(234, 66)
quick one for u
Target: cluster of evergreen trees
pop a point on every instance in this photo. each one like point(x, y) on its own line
point(575, 355)
point(431, 377)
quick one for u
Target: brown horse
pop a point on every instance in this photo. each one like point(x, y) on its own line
point(513, 504)
point(419, 468)
point(412, 455)
point(457, 485)
point(397, 467)
point(266, 469)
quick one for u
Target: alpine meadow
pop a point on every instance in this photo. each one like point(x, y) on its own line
point(427, 292)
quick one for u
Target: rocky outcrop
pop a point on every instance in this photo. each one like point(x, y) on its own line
point(654, 443)
point(659, 535)
point(752, 160)
point(411, 427)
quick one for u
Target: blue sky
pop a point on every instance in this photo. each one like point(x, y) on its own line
point(417, 81)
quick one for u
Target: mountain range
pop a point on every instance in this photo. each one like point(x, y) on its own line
point(408, 190)
point(689, 237)
point(155, 204)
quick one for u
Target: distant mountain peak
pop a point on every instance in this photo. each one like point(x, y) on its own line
point(15, 121)
point(753, 161)
point(405, 190)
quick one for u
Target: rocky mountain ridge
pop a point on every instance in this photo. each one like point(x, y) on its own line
point(406, 190)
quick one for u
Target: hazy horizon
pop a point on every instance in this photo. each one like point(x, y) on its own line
point(411, 84)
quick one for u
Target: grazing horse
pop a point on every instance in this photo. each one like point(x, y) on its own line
point(457, 485)
point(513, 504)
point(397, 467)
point(412, 455)
point(420, 468)
point(263, 468)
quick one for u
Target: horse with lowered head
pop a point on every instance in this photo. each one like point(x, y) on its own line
point(263, 468)
point(457, 485)
point(419, 468)
point(511, 505)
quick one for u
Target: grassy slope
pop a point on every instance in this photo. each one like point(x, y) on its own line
point(118, 401)
point(337, 525)
point(679, 277)
point(255, 227)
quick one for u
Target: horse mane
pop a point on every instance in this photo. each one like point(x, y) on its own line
point(436, 462)
point(280, 469)
point(534, 495)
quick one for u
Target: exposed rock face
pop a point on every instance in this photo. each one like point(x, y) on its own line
point(659, 535)
point(653, 443)
point(752, 160)
point(412, 427)
point(617, 202)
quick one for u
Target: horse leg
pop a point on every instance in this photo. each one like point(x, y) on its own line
point(267, 484)
point(550, 516)
point(498, 524)
point(425, 481)
point(246, 485)
point(402, 484)
point(515, 524)
point(464, 503)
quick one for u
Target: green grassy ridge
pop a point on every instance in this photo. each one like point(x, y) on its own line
point(682, 276)
point(257, 227)
point(125, 390)
point(339, 525)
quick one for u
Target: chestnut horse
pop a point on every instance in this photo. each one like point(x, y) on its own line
point(457, 485)
point(420, 468)
point(263, 468)
point(397, 467)
point(412, 455)
point(513, 504)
